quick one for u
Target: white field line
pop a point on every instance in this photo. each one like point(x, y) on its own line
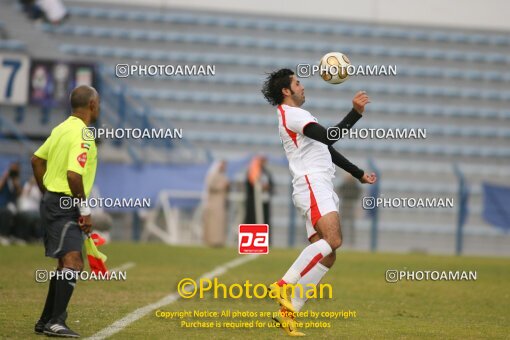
point(122, 267)
point(139, 313)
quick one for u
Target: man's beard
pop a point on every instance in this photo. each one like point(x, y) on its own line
point(300, 100)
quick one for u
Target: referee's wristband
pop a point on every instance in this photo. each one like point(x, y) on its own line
point(84, 208)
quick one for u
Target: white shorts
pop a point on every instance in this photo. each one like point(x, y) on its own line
point(314, 197)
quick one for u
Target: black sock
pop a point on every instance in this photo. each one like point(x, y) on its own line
point(50, 300)
point(66, 279)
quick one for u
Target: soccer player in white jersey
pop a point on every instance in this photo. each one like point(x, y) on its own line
point(312, 161)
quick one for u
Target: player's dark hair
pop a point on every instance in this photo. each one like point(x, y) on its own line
point(275, 82)
point(81, 96)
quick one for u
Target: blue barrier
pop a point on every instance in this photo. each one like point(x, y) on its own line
point(496, 209)
point(133, 181)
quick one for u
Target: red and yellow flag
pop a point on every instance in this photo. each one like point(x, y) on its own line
point(95, 257)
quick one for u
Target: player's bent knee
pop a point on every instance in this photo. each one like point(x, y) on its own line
point(329, 229)
point(334, 242)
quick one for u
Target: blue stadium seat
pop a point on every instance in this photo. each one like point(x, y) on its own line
point(311, 46)
point(12, 45)
point(353, 30)
point(441, 130)
point(245, 61)
point(370, 86)
point(358, 30)
point(368, 145)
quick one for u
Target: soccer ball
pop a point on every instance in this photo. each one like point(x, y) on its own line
point(333, 67)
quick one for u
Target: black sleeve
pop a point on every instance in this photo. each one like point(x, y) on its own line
point(320, 133)
point(344, 163)
point(352, 117)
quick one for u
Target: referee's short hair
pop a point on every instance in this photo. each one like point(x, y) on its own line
point(81, 96)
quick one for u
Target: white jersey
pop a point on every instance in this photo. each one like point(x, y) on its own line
point(305, 155)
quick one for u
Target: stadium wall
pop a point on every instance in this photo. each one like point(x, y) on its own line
point(489, 14)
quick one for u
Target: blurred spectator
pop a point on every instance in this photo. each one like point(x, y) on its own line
point(32, 11)
point(259, 189)
point(53, 11)
point(215, 205)
point(349, 193)
point(27, 225)
point(10, 189)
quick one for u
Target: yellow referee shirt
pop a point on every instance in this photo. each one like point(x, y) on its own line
point(66, 149)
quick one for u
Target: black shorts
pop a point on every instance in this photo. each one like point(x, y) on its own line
point(60, 226)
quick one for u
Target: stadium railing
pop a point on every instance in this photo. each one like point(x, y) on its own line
point(374, 213)
point(173, 230)
point(462, 212)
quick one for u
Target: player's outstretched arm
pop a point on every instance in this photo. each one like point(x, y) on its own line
point(342, 162)
point(320, 133)
point(369, 179)
point(359, 101)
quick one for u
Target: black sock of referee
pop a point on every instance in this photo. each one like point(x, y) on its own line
point(63, 292)
point(50, 301)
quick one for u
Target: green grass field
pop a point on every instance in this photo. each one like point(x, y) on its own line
point(408, 309)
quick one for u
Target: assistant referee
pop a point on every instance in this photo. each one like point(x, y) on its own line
point(65, 167)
